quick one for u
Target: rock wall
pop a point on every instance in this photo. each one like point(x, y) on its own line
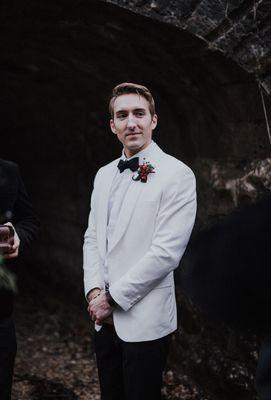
point(240, 29)
point(59, 62)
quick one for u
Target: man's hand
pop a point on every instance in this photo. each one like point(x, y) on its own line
point(99, 309)
point(15, 244)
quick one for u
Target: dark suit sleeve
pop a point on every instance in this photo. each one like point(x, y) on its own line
point(25, 221)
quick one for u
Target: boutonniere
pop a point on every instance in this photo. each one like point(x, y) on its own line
point(143, 171)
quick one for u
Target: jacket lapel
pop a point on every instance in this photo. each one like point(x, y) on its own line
point(104, 192)
point(126, 211)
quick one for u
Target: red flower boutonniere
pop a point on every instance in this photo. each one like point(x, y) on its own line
point(143, 171)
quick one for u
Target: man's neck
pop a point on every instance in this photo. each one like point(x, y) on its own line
point(130, 153)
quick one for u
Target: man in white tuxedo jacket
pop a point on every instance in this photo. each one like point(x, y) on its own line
point(143, 209)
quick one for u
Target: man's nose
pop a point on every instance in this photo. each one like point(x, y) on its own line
point(131, 122)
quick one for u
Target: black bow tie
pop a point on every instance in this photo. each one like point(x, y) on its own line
point(132, 164)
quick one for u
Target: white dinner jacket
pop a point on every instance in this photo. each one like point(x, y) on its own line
point(150, 237)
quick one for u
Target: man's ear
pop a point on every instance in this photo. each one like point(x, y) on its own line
point(154, 121)
point(112, 126)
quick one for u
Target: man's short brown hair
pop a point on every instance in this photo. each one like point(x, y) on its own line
point(127, 88)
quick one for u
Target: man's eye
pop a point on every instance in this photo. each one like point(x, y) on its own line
point(121, 116)
point(140, 114)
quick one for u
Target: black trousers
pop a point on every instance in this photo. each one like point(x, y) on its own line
point(8, 349)
point(129, 371)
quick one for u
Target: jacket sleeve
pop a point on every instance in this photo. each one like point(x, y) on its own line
point(91, 261)
point(173, 228)
point(24, 218)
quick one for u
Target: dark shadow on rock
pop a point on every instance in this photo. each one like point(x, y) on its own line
point(227, 271)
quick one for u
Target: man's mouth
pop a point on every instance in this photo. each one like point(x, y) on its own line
point(133, 134)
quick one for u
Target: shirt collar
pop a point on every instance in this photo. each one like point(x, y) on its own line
point(143, 154)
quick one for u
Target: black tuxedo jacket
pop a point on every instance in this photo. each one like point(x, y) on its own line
point(15, 207)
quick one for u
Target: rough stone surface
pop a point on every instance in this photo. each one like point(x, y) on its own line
point(223, 186)
point(238, 28)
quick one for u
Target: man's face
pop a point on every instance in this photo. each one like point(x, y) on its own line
point(132, 122)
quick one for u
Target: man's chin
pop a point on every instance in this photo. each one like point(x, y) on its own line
point(135, 148)
point(134, 145)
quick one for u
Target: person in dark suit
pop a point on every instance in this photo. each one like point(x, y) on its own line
point(228, 277)
point(15, 210)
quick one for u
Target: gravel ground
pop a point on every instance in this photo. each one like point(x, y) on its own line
point(55, 357)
